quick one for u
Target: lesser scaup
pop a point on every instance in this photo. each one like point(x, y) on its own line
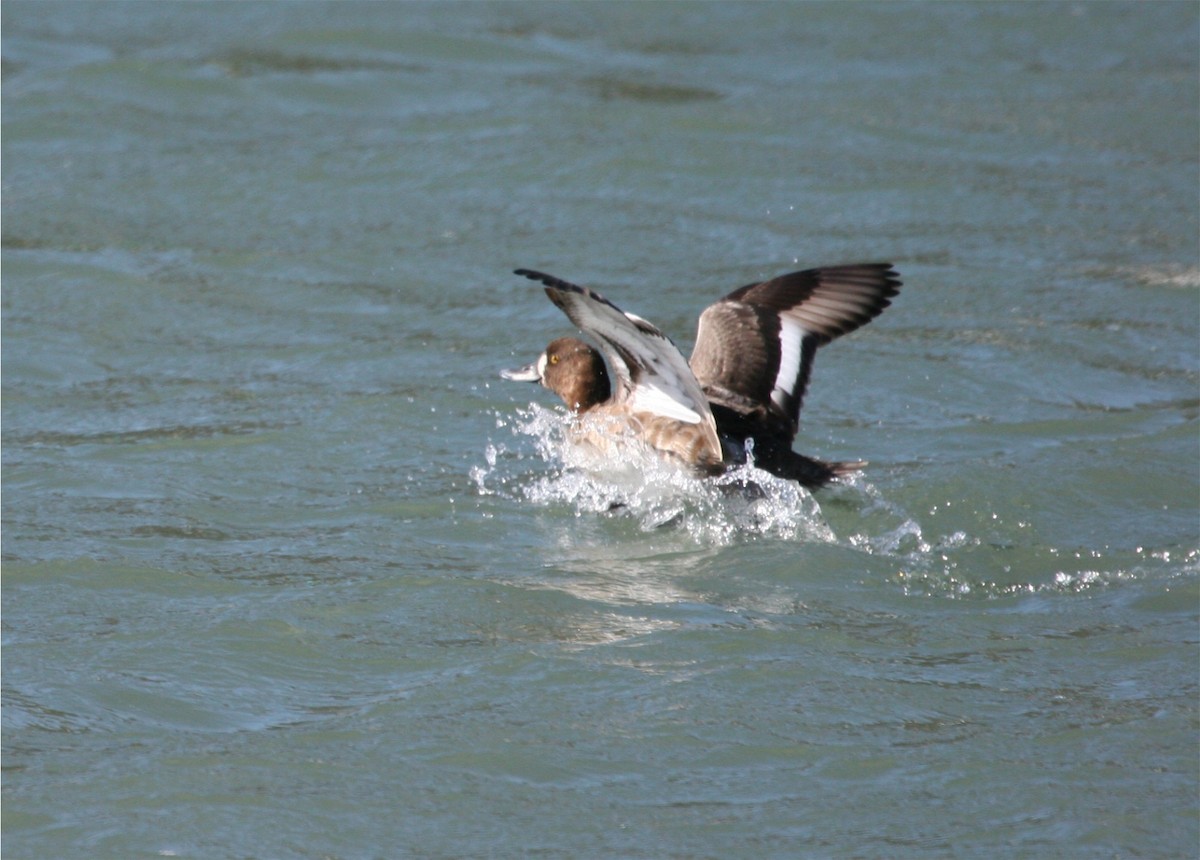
point(744, 382)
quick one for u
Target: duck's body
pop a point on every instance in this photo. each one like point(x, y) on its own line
point(744, 383)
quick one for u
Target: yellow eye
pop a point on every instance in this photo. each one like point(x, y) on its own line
point(554, 359)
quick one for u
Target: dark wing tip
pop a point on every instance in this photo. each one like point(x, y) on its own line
point(549, 280)
point(844, 298)
point(891, 278)
point(553, 285)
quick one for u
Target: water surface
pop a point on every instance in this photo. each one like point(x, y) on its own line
point(289, 572)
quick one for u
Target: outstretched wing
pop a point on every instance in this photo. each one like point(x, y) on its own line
point(756, 345)
point(652, 376)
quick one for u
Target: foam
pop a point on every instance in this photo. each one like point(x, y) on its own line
point(643, 486)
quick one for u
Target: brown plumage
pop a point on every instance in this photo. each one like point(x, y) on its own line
point(746, 379)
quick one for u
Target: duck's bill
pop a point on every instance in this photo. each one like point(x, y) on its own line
point(528, 373)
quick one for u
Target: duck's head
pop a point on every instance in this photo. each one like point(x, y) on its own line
point(572, 370)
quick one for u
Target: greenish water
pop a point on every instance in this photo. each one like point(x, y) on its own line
point(289, 572)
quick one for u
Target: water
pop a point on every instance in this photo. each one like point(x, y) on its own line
point(289, 572)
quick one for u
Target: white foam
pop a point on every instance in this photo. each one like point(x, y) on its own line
point(533, 463)
point(650, 489)
point(1165, 275)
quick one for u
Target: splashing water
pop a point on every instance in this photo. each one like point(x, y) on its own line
point(998, 559)
point(644, 486)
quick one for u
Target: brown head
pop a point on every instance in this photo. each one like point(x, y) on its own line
point(572, 370)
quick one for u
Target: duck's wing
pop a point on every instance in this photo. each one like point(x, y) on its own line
point(652, 375)
point(754, 348)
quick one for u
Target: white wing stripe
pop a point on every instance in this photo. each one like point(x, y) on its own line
point(665, 383)
point(791, 335)
point(648, 397)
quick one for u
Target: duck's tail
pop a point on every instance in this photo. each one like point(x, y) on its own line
point(809, 471)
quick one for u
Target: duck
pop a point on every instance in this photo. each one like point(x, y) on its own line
point(738, 397)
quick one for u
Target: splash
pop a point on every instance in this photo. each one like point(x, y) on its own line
point(987, 555)
point(642, 486)
point(1165, 275)
point(1000, 557)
